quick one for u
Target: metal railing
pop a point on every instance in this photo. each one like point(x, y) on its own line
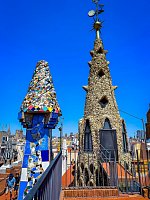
point(128, 175)
point(75, 168)
point(48, 187)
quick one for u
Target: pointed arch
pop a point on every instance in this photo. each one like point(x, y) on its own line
point(103, 102)
point(107, 124)
point(87, 178)
point(88, 137)
point(78, 173)
point(101, 73)
point(82, 167)
point(108, 141)
point(100, 50)
point(92, 168)
point(97, 177)
point(124, 138)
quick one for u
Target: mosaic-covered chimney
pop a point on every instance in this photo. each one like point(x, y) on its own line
point(39, 114)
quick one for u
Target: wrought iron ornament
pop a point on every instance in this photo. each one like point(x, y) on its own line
point(95, 14)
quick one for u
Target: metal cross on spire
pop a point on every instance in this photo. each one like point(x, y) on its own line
point(95, 14)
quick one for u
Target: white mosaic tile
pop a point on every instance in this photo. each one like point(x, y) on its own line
point(24, 174)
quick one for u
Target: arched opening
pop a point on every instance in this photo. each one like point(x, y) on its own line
point(108, 142)
point(82, 167)
point(100, 50)
point(86, 176)
point(78, 173)
point(101, 73)
point(97, 177)
point(103, 102)
point(124, 138)
point(91, 183)
point(92, 168)
point(73, 170)
point(107, 124)
point(88, 137)
point(101, 176)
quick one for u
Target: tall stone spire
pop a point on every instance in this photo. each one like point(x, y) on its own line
point(101, 129)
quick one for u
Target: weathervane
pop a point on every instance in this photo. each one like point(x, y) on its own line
point(95, 14)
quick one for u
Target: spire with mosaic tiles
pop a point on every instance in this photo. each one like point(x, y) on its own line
point(41, 95)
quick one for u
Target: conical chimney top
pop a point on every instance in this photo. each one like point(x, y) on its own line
point(41, 95)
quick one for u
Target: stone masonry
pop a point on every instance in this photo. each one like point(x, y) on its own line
point(100, 105)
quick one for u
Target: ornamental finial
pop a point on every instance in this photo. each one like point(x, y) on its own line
point(95, 14)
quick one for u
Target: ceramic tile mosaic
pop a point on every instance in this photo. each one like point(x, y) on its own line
point(45, 155)
point(41, 94)
point(39, 113)
point(22, 188)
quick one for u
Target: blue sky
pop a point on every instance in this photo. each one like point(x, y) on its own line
point(59, 32)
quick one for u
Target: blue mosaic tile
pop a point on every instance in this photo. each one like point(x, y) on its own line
point(25, 161)
point(46, 131)
point(35, 119)
point(35, 129)
point(23, 185)
point(41, 118)
point(25, 109)
point(27, 148)
point(28, 135)
point(45, 155)
point(33, 109)
point(54, 115)
point(33, 169)
point(36, 175)
point(30, 183)
point(44, 144)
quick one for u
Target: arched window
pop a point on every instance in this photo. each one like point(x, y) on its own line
point(107, 124)
point(86, 176)
point(100, 50)
point(92, 168)
point(103, 102)
point(124, 137)
point(87, 137)
point(108, 141)
point(101, 73)
point(82, 167)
